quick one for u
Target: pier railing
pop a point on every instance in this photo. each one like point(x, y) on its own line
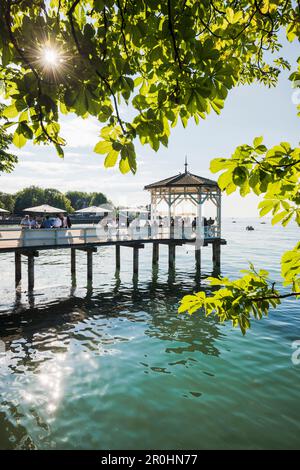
point(97, 234)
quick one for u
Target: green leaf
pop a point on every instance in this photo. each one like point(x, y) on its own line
point(19, 140)
point(124, 165)
point(10, 111)
point(239, 175)
point(111, 159)
point(59, 151)
point(103, 147)
point(278, 217)
point(225, 179)
point(257, 141)
point(217, 164)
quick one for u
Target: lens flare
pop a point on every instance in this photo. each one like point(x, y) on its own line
point(51, 57)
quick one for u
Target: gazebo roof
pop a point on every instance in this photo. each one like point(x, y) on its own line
point(182, 180)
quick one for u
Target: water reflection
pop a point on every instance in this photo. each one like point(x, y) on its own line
point(156, 300)
point(49, 345)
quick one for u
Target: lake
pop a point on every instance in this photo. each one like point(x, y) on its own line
point(116, 367)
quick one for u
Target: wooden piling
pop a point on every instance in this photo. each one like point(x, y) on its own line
point(89, 266)
point(73, 263)
point(118, 257)
point(198, 258)
point(18, 269)
point(155, 253)
point(172, 252)
point(216, 255)
point(30, 271)
point(135, 260)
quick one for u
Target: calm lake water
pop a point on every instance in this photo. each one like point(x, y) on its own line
point(116, 367)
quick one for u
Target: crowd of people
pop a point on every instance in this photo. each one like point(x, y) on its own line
point(176, 223)
point(58, 221)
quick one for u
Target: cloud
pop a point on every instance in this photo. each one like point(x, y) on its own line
point(80, 132)
point(22, 153)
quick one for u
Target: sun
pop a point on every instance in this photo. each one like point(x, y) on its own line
point(50, 57)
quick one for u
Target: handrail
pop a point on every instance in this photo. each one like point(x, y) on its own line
point(84, 235)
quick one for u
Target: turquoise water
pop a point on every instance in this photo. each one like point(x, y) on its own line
point(116, 367)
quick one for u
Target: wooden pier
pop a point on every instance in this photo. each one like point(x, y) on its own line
point(29, 243)
point(171, 230)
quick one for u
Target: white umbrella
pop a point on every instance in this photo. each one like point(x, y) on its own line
point(94, 210)
point(3, 210)
point(44, 208)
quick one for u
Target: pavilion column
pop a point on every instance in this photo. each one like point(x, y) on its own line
point(169, 213)
point(219, 200)
point(153, 205)
point(199, 222)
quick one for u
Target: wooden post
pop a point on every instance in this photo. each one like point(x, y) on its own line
point(216, 255)
point(18, 269)
point(198, 257)
point(135, 260)
point(172, 252)
point(118, 257)
point(73, 262)
point(89, 266)
point(30, 271)
point(155, 253)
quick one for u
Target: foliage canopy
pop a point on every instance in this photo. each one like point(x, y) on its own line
point(35, 196)
point(275, 175)
point(7, 159)
point(168, 60)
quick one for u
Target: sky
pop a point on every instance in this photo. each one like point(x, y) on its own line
point(249, 111)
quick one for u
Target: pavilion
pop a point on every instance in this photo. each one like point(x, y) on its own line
point(190, 188)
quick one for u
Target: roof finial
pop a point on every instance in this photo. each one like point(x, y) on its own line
point(186, 164)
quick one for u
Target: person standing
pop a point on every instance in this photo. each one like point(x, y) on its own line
point(25, 222)
point(46, 223)
point(33, 223)
point(57, 222)
point(69, 223)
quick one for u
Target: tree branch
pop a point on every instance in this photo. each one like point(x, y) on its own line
point(28, 63)
point(82, 53)
point(171, 29)
point(123, 28)
point(270, 297)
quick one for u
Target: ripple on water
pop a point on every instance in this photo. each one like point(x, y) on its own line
point(117, 367)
